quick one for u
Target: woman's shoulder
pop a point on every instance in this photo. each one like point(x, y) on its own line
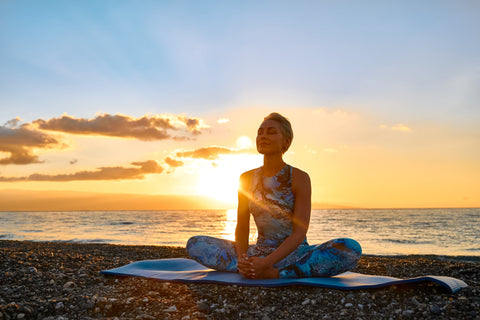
point(299, 172)
point(300, 176)
point(248, 174)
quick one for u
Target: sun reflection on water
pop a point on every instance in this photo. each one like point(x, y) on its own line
point(229, 224)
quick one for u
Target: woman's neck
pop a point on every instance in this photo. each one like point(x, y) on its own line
point(272, 164)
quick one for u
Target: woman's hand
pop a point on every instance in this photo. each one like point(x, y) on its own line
point(256, 268)
point(245, 266)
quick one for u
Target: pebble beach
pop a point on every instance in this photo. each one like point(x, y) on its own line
point(58, 280)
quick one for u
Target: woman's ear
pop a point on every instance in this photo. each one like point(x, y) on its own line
point(286, 144)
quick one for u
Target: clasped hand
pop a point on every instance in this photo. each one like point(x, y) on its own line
point(253, 267)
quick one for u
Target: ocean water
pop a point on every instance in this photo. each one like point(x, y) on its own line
point(453, 232)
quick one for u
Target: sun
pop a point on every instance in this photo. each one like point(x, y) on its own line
point(220, 180)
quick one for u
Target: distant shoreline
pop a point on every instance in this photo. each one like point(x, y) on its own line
point(217, 209)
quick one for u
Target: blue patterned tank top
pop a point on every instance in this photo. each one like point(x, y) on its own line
point(272, 206)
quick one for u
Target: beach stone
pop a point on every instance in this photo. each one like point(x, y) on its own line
point(435, 309)
point(415, 302)
point(204, 307)
point(32, 270)
point(407, 313)
point(59, 306)
point(171, 309)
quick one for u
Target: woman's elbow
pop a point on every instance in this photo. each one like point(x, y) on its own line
point(299, 236)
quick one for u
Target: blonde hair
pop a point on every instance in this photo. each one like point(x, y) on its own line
point(285, 126)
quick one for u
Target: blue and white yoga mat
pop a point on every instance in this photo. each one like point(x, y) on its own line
point(190, 271)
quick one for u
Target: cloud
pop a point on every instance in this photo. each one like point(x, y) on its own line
point(331, 150)
point(137, 171)
point(211, 153)
point(20, 143)
point(173, 163)
point(401, 127)
point(146, 128)
point(397, 127)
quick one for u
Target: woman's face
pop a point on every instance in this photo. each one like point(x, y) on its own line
point(270, 139)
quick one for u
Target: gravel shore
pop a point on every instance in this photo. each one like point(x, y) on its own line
point(54, 280)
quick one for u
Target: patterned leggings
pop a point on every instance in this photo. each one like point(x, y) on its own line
point(328, 259)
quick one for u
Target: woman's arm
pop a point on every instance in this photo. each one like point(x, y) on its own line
point(301, 187)
point(242, 230)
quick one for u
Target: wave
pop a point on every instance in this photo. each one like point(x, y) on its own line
point(118, 223)
point(406, 241)
point(8, 236)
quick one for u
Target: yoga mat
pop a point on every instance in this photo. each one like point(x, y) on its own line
point(190, 271)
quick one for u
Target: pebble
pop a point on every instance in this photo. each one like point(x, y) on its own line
point(407, 313)
point(172, 309)
point(435, 309)
point(202, 306)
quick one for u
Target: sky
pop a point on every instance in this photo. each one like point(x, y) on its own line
point(164, 98)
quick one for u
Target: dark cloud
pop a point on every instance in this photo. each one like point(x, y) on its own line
point(210, 153)
point(173, 163)
point(193, 124)
point(20, 143)
point(145, 128)
point(137, 171)
point(12, 123)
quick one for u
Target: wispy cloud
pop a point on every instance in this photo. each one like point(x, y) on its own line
point(397, 127)
point(20, 143)
point(137, 170)
point(146, 128)
point(211, 153)
point(401, 127)
point(172, 162)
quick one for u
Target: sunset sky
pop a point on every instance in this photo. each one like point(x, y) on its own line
point(164, 97)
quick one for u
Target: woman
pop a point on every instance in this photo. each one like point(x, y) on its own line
point(279, 198)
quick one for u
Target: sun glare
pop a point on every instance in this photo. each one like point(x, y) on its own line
point(220, 180)
point(244, 142)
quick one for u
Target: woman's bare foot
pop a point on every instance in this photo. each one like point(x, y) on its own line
point(270, 273)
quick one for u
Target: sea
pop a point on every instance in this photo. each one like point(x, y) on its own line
point(391, 232)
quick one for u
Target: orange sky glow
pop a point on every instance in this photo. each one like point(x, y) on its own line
point(354, 160)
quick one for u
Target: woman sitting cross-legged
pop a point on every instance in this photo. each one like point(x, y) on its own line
point(278, 196)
